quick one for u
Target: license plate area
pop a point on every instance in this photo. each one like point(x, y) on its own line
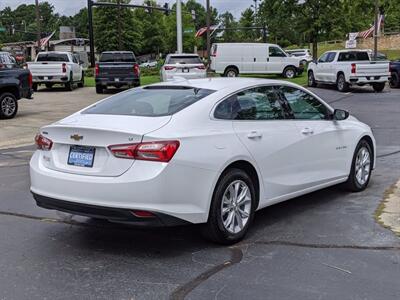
point(81, 156)
point(185, 70)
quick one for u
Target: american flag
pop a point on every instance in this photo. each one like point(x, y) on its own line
point(202, 30)
point(45, 40)
point(366, 33)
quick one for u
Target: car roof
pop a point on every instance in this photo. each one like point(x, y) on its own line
point(183, 54)
point(116, 52)
point(220, 83)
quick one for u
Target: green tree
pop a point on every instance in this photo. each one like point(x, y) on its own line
point(247, 20)
point(228, 21)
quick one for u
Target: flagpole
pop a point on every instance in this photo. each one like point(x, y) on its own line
point(38, 25)
point(376, 29)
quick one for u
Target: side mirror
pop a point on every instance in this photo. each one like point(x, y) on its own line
point(340, 114)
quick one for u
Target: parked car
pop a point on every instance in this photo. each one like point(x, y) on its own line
point(148, 64)
point(379, 55)
point(55, 67)
point(395, 74)
point(117, 69)
point(188, 66)
point(15, 84)
point(348, 67)
point(210, 151)
point(303, 54)
point(232, 59)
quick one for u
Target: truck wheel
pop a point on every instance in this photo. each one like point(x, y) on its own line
point(311, 80)
point(82, 82)
point(378, 87)
point(99, 89)
point(69, 86)
point(8, 106)
point(289, 72)
point(231, 72)
point(34, 87)
point(394, 81)
point(341, 83)
point(49, 85)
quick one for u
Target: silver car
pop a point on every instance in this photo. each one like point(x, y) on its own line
point(188, 66)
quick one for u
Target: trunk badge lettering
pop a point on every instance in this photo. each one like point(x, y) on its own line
point(76, 137)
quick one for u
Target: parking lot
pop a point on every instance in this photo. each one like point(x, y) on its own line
point(326, 245)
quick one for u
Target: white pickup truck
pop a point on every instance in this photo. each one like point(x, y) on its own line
point(348, 67)
point(53, 67)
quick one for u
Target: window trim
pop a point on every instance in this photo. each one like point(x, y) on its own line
point(273, 86)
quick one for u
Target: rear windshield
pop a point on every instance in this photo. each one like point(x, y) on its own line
point(52, 57)
point(184, 60)
point(117, 57)
point(353, 56)
point(153, 101)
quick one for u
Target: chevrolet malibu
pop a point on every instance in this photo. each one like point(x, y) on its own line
point(209, 151)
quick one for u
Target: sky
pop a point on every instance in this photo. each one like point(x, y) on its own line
point(71, 7)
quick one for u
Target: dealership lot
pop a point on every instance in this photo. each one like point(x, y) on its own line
point(325, 245)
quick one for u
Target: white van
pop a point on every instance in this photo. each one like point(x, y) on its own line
point(232, 59)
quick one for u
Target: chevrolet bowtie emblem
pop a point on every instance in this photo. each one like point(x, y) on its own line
point(76, 137)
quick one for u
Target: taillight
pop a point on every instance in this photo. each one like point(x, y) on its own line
point(43, 143)
point(136, 69)
point(142, 214)
point(201, 67)
point(353, 68)
point(169, 68)
point(64, 68)
point(30, 81)
point(161, 151)
point(96, 69)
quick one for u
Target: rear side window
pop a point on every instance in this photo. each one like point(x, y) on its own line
point(184, 60)
point(153, 101)
point(117, 57)
point(53, 57)
point(353, 56)
point(261, 103)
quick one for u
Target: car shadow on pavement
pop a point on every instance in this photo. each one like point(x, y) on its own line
point(367, 89)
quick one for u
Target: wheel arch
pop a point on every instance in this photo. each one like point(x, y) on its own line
point(250, 169)
point(371, 143)
point(11, 89)
point(232, 67)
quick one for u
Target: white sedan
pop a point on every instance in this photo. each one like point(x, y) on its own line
point(209, 151)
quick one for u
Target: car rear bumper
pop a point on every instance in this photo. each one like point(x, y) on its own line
point(50, 79)
point(118, 215)
point(118, 81)
point(369, 79)
point(158, 188)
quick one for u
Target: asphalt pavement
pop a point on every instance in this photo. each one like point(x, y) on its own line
point(325, 245)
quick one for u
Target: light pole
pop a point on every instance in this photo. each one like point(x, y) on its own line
point(376, 29)
point(208, 31)
point(38, 24)
point(179, 26)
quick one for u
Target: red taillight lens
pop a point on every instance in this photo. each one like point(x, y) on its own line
point(353, 68)
point(30, 81)
point(169, 68)
point(96, 69)
point(43, 143)
point(201, 67)
point(136, 69)
point(161, 151)
point(142, 214)
point(64, 68)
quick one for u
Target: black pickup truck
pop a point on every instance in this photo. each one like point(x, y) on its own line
point(117, 69)
point(395, 74)
point(15, 83)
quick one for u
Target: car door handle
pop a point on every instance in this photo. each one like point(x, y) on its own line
point(268, 59)
point(255, 59)
point(254, 135)
point(307, 130)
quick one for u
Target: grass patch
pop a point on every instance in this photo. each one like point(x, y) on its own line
point(90, 82)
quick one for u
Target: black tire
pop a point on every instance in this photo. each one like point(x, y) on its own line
point(352, 184)
point(99, 89)
point(214, 229)
point(289, 72)
point(49, 85)
point(69, 86)
point(81, 83)
point(35, 87)
point(8, 106)
point(311, 79)
point(378, 87)
point(394, 80)
point(341, 83)
point(231, 72)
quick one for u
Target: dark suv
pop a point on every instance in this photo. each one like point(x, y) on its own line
point(15, 83)
point(117, 69)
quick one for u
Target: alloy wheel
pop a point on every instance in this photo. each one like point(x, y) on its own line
point(236, 206)
point(8, 106)
point(363, 165)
